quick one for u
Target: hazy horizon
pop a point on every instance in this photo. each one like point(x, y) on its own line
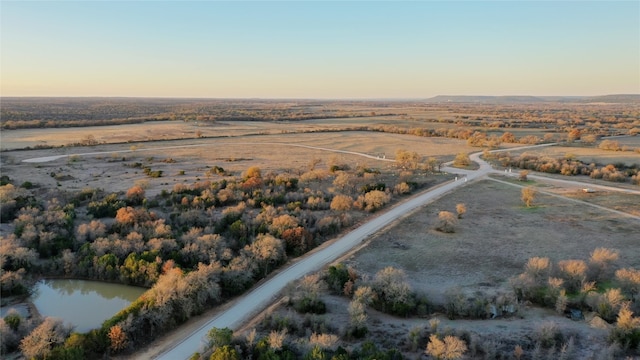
point(305, 98)
point(319, 50)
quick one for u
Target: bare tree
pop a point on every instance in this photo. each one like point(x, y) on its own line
point(375, 199)
point(267, 250)
point(446, 222)
point(40, 342)
point(357, 315)
point(575, 273)
point(449, 348)
point(602, 261)
point(324, 341)
point(344, 181)
point(282, 223)
point(407, 159)
point(341, 203)
point(277, 338)
point(253, 172)
point(135, 195)
point(391, 286)
point(629, 280)
point(462, 159)
point(90, 232)
point(528, 195)
point(364, 294)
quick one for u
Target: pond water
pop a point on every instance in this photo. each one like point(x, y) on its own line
point(85, 304)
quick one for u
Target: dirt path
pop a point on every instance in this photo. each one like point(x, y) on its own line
point(56, 157)
point(183, 342)
point(574, 200)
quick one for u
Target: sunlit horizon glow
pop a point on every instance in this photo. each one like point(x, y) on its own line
point(319, 49)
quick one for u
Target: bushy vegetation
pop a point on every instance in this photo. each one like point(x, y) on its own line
point(568, 165)
point(595, 284)
point(193, 246)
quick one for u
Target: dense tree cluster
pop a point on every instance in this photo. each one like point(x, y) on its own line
point(569, 165)
point(192, 246)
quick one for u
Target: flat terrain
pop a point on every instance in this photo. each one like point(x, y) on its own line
point(186, 161)
point(494, 239)
point(492, 242)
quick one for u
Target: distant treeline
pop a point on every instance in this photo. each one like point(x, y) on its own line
point(23, 113)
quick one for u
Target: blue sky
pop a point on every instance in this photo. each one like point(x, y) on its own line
point(319, 49)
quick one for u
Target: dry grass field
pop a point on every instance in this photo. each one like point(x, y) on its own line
point(494, 239)
point(187, 161)
point(625, 202)
point(491, 244)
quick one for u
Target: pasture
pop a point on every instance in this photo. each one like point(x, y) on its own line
point(186, 161)
point(491, 244)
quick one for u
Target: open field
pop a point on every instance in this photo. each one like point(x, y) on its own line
point(166, 130)
point(190, 162)
point(491, 244)
point(622, 201)
point(494, 239)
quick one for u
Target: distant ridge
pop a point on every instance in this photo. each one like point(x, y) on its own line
point(526, 99)
point(484, 99)
point(616, 98)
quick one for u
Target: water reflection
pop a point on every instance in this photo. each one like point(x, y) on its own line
point(86, 304)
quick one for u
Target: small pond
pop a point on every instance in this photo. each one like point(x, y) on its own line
point(85, 304)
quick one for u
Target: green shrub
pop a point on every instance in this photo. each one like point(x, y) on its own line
point(336, 277)
point(309, 305)
point(27, 185)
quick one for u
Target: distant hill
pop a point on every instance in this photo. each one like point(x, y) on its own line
point(617, 98)
point(484, 99)
point(525, 99)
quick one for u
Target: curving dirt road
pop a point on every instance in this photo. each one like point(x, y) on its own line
point(253, 302)
point(250, 304)
point(247, 306)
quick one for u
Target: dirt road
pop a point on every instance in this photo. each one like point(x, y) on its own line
point(253, 302)
point(249, 305)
